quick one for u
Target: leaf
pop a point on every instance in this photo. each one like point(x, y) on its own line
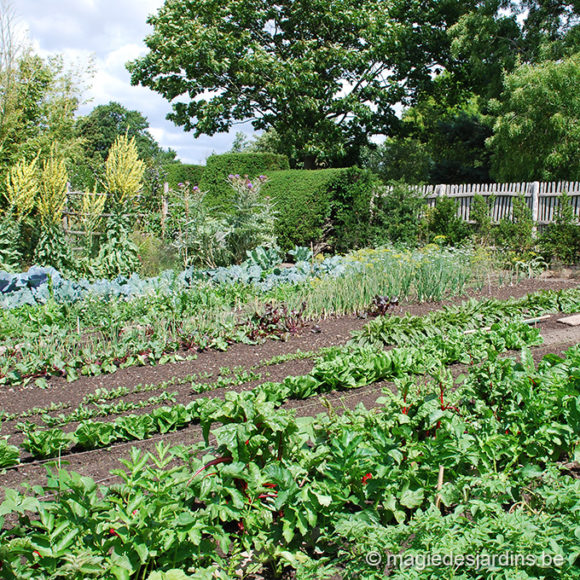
point(412, 499)
point(323, 500)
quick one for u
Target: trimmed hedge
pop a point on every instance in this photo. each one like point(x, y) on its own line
point(325, 207)
point(218, 167)
point(303, 200)
point(181, 172)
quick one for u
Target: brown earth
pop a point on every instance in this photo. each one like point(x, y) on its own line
point(333, 331)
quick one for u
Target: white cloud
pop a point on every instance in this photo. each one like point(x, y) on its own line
point(112, 33)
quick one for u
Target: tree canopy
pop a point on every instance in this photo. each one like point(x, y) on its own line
point(537, 131)
point(101, 127)
point(38, 99)
point(325, 75)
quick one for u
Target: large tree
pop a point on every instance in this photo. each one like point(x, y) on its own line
point(38, 98)
point(325, 75)
point(537, 132)
point(497, 36)
point(101, 127)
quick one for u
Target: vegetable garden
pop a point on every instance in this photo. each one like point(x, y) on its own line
point(312, 421)
point(207, 373)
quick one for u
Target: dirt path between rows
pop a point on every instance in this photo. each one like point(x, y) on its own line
point(97, 464)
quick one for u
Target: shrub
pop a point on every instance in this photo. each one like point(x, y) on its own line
point(481, 215)
point(516, 234)
point(302, 200)
point(215, 175)
point(176, 173)
point(352, 192)
point(442, 220)
point(327, 207)
point(561, 239)
point(397, 215)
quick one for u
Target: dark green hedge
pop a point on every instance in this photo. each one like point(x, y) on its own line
point(181, 172)
point(326, 206)
point(303, 202)
point(218, 167)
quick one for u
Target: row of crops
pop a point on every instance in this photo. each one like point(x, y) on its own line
point(166, 319)
point(482, 464)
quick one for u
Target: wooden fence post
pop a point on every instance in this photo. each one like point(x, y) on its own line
point(535, 204)
point(65, 213)
point(164, 207)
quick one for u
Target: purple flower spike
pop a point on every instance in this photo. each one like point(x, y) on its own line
point(195, 188)
point(180, 185)
point(231, 176)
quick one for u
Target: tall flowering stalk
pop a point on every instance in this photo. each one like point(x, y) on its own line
point(92, 207)
point(253, 220)
point(52, 248)
point(200, 237)
point(20, 193)
point(124, 171)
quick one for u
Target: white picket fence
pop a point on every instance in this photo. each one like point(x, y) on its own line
point(541, 197)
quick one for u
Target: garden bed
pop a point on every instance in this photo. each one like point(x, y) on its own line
point(143, 383)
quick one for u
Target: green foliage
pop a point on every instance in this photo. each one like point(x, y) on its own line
point(504, 438)
point(537, 133)
point(9, 243)
point(399, 159)
point(480, 213)
point(328, 207)
point(266, 258)
point(441, 141)
point(469, 315)
point(325, 77)
point(442, 220)
point(352, 193)
point(457, 147)
point(398, 215)
point(38, 101)
point(268, 142)
point(105, 123)
point(301, 254)
point(99, 131)
point(53, 248)
point(489, 41)
point(9, 455)
point(199, 236)
point(177, 173)
point(218, 167)
point(516, 234)
point(252, 221)
point(303, 201)
point(45, 444)
point(155, 255)
point(560, 241)
point(118, 254)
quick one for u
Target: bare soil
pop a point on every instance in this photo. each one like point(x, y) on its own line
point(333, 331)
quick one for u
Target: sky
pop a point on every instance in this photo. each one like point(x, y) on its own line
point(112, 32)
